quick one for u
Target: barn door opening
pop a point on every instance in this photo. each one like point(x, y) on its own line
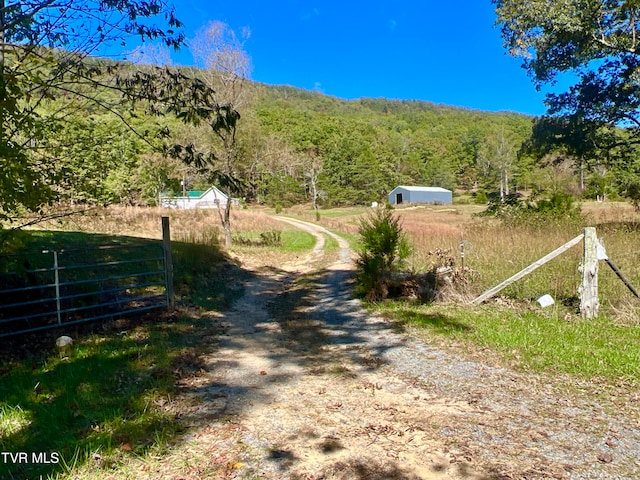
point(398, 198)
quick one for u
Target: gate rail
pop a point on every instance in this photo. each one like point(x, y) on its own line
point(54, 288)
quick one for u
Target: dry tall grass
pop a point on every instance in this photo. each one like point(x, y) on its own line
point(196, 227)
point(193, 226)
point(496, 251)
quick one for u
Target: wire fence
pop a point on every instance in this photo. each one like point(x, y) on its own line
point(53, 288)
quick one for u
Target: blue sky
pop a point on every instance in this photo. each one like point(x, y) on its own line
point(445, 52)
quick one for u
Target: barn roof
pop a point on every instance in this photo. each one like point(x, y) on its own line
point(423, 189)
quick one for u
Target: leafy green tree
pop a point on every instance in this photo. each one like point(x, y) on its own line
point(305, 141)
point(44, 51)
point(597, 42)
point(89, 153)
point(571, 136)
point(355, 172)
point(157, 174)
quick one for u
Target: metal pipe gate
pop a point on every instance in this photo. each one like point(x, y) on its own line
point(54, 288)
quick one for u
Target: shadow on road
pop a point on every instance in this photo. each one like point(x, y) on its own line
point(288, 327)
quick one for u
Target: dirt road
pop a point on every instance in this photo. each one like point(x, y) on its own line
point(307, 385)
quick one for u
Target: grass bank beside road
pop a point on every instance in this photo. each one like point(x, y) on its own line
point(527, 339)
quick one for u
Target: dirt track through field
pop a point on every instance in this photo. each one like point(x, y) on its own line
point(306, 385)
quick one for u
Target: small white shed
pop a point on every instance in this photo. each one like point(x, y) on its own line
point(211, 198)
point(406, 195)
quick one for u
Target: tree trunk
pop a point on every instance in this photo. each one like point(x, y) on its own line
point(226, 220)
point(228, 241)
point(506, 182)
point(314, 189)
point(315, 197)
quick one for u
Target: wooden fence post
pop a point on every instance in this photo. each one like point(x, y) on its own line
point(168, 261)
point(589, 289)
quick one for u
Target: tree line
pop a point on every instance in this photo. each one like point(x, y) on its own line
point(293, 146)
point(81, 130)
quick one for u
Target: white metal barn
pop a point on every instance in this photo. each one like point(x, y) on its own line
point(211, 198)
point(406, 195)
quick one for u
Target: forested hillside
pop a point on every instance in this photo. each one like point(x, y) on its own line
point(359, 150)
point(293, 146)
point(79, 130)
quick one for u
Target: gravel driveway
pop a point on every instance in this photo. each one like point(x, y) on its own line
point(311, 386)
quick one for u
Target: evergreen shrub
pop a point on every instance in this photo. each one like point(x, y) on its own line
point(384, 250)
point(558, 208)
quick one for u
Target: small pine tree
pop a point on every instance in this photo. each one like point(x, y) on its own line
point(384, 250)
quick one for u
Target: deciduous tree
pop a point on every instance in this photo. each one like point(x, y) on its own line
point(597, 42)
point(219, 51)
point(45, 50)
point(497, 157)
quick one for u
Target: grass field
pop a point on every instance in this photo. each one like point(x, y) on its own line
point(494, 251)
point(113, 397)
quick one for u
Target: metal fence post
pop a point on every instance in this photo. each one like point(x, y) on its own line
point(56, 281)
point(56, 273)
point(168, 261)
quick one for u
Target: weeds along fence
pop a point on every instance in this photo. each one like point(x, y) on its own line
point(593, 252)
point(53, 288)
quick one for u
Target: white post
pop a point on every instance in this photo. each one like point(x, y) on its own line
point(589, 289)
